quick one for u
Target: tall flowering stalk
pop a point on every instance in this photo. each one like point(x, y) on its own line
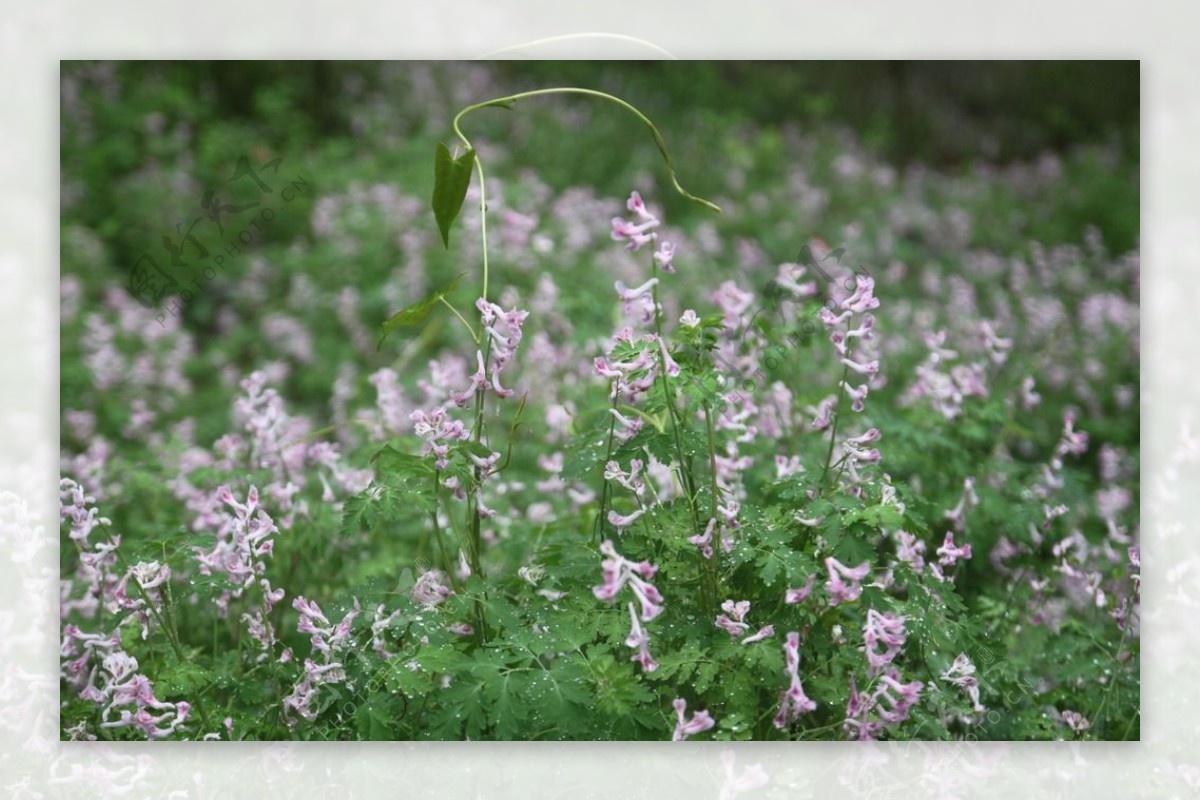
point(851, 325)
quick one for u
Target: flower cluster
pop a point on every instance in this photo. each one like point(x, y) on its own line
point(634, 371)
point(851, 330)
point(504, 332)
point(432, 588)
point(244, 538)
point(889, 704)
point(962, 674)
point(328, 639)
point(734, 622)
point(882, 629)
point(125, 687)
point(438, 429)
point(946, 391)
point(792, 701)
point(620, 572)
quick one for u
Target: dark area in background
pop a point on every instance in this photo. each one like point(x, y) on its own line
point(940, 112)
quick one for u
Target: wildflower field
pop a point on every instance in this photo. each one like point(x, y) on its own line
point(417, 401)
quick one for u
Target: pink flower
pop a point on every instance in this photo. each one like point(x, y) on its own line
point(798, 595)
point(910, 550)
point(863, 298)
point(639, 639)
point(786, 466)
point(839, 590)
point(624, 521)
point(732, 301)
point(733, 622)
point(663, 256)
point(788, 277)
point(638, 207)
point(619, 571)
point(635, 234)
point(792, 702)
point(626, 294)
point(704, 541)
point(949, 553)
point(961, 673)
point(886, 630)
point(761, 634)
point(1076, 721)
point(968, 501)
point(431, 588)
point(669, 364)
point(869, 368)
point(824, 411)
point(856, 395)
point(701, 721)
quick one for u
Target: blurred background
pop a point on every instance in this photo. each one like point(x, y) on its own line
point(932, 164)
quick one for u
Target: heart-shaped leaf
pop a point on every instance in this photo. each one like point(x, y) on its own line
point(451, 177)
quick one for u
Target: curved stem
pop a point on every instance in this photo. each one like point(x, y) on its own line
point(463, 320)
point(482, 211)
point(658, 139)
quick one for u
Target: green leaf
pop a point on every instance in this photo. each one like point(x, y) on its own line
point(416, 313)
point(393, 463)
point(451, 177)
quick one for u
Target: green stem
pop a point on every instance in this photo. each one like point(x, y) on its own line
point(710, 576)
point(470, 329)
point(437, 528)
point(1099, 716)
point(837, 417)
point(686, 479)
point(604, 487)
point(477, 430)
point(712, 460)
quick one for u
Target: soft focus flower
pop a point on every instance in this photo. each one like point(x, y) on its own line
point(799, 595)
point(663, 256)
point(792, 701)
point(949, 553)
point(733, 619)
point(961, 673)
point(839, 590)
point(639, 233)
point(882, 629)
point(639, 639)
point(431, 588)
point(701, 721)
point(619, 571)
